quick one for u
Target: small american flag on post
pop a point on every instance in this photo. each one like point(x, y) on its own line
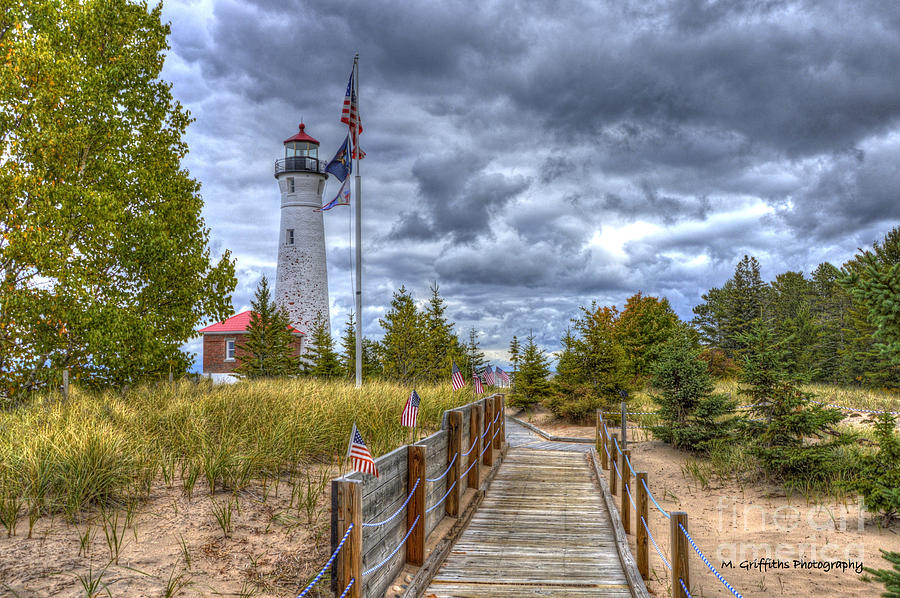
point(457, 378)
point(359, 454)
point(503, 376)
point(410, 411)
point(477, 381)
point(489, 376)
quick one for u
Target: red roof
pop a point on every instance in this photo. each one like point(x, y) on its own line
point(237, 324)
point(301, 136)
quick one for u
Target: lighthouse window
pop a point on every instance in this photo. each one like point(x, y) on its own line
point(290, 184)
point(289, 236)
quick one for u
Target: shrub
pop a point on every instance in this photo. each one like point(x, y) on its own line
point(879, 479)
point(691, 416)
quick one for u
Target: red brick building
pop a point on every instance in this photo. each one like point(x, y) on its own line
point(222, 343)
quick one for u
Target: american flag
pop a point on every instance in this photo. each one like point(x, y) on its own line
point(489, 376)
point(477, 381)
point(350, 115)
point(503, 376)
point(411, 411)
point(457, 378)
point(359, 454)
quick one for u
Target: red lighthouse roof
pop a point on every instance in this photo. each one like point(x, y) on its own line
point(301, 136)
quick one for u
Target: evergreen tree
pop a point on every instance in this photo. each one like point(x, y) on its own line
point(890, 578)
point(710, 318)
point(439, 338)
point(532, 385)
point(348, 347)
point(830, 307)
point(873, 279)
point(571, 398)
point(744, 303)
point(474, 356)
point(402, 346)
point(789, 419)
point(791, 312)
point(604, 366)
point(322, 359)
point(879, 473)
point(514, 354)
point(691, 416)
point(267, 346)
point(643, 326)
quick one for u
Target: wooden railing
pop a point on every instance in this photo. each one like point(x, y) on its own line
point(427, 480)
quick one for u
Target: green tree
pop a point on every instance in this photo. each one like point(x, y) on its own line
point(830, 308)
point(873, 279)
point(691, 415)
point(890, 578)
point(267, 349)
point(879, 473)
point(474, 355)
point(105, 267)
point(604, 366)
point(783, 439)
point(401, 348)
point(532, 385)
point(439, 342)
point(794, 325)
point(643, 326)
point(322, 360)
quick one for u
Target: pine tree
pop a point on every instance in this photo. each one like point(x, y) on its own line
point(439, 338)
point(879, 473)
point(532, 385)
point(745, 298)
point(474, 356)
point(402, 346)
point(890, 578)
point(643, 326)
point(348, 346)
point(267, 346)
point(794, 327)
point(691, 415)
point(323, 361)
point(789, 419)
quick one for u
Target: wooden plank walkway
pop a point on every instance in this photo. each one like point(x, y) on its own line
point(542, 530)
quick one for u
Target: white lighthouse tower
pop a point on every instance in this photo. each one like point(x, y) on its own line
point(301, 281)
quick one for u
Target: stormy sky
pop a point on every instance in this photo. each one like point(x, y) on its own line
point(531, 157)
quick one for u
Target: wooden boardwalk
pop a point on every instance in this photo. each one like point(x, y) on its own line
point(542, 530)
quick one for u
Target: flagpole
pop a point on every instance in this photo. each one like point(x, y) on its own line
point(359, 328)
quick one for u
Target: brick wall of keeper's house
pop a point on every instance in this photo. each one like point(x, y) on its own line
point(214, 352)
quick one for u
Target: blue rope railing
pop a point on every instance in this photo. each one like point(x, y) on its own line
point(707, 563)
point(628, 461)
point(854, 408)
point(393, 552)
point(471, 448)
point(653, 540)
point(435, 505)
point(466, 472)
point(328, 564)
point(398, 511)
point(684, 587)
point(441, 477)
point(628, 492)
point(650, 494)
point(347, 589)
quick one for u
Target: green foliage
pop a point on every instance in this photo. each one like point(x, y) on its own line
point(532, 385)
point(890, 578)
point(879, 473)
point(371, 364)
point(402, 352)
point(643, 326)
point(323, 361)
point(782, 440)
point(474, 355)
point(873, 279)
point(691, 416)
point(267, 346)
point(105, 267)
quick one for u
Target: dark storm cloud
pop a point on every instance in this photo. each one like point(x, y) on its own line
point(531, 160)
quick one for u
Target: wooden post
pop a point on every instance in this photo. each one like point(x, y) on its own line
point(475, 417)
point(641, 541)
point(489, 428)
point(625, 511)
point(415, 544)
point(680, 547)
point(498, 413)
point(349, 559)
point(65, 383)
point(612, 467)
point(454, 454)
point(601, 430)
point(624, 427)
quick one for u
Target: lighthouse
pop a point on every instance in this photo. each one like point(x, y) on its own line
point(301, 280)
